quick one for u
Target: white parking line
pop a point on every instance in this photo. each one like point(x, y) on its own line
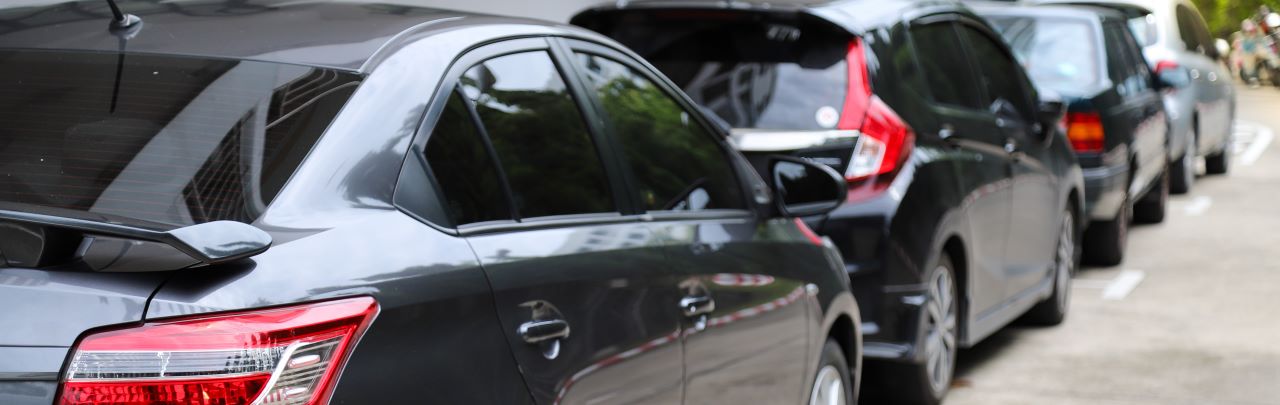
point(1198, 206)
point(1261, 139)
point(1123, 284)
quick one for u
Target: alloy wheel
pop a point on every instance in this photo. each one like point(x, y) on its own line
point(940, 328)
point(1066, 261)
point(828, 388)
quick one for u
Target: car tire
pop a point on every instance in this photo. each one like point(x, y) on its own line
point(1152, 207)
point(927, 383)
point(833, 383)
point(1220, 162)
point(1182, 173)
point(1053, 310)
point(1105, 241)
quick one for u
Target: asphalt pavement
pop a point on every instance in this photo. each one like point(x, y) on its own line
point(1192, 316)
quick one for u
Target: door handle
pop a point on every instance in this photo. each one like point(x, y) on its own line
point(699, 305)
point(1010, 146)
point(541, 331)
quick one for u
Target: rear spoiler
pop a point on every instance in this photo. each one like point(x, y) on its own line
point(56, 235)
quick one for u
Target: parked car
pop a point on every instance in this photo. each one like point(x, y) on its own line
point(1116, 120)
point(1177, 45)
point(387, 204)
point(964, 196)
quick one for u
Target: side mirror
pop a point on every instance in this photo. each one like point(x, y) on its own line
point(1170, 75)
point(1050, 112)
point(1223, 47)
point(803, 188)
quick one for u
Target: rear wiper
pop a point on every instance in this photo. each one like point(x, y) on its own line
point(209, 243)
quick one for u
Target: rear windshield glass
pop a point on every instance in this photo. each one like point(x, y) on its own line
point(164, 139)
point(752, 75)
point(1059, 54)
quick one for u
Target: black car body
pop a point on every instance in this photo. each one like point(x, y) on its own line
point(984, 179)
point(1116, 119)
point(431, 206)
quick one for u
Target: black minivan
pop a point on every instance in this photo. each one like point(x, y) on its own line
point(232, 202)
point(964, 195)
point(1116, 119)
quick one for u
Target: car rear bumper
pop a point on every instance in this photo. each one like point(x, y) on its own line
point(1104, 191)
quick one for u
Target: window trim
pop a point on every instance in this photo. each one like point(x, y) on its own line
point(1029, 90)
point(570, 46)
point(434, 110)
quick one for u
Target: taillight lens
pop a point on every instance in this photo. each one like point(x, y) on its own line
point(885, 140)
point(1084, 129)
point(289, 355)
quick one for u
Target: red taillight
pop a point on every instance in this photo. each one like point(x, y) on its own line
point(1084, 129)
point(885, 140)
point(288, 355)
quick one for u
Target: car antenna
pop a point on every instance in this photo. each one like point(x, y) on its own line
point(125, 27)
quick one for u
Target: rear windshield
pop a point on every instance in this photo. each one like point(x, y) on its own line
point(751, 75)
point(1059, 54)
point(165, 139)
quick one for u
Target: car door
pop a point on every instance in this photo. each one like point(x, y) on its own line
point(1034, 215)
point(584, 294)
point(982, 164)
point(746, 327)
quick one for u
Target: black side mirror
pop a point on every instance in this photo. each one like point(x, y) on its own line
point(1050, 112)
point(803, 188)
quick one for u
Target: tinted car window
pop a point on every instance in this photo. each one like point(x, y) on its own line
point(463, 169)
point(676, 165)
point(1000, 73)
point(1187, 29)
point(946, 69)
point(173, 140)
point(751, 75)
point(1119, 64)
point(1059, 54)
point(539, 136)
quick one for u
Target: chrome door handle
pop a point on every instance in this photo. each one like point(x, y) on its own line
point(1010, 146)
point(694, 306)
point(946, 132)
point(541, 331)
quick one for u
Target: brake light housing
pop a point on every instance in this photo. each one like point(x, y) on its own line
point(1085, 131)
point(885, 141)
point(289, 355)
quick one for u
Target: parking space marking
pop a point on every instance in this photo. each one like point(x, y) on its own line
point(1122, 285)
point(1198, 206)
point(1262, 138)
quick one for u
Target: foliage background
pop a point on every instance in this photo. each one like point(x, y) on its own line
point(1224, 16)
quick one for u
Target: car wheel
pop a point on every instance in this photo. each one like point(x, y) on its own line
point(1105, 241)
point(927, 383)
point(1053, 311)
point(1219, 163)
point(832, 384)
point(1152, 207)
point(1183, 171)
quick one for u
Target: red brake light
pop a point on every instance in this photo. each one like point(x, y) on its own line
point(885, 140)
point(1084, 129)
point(288, 355)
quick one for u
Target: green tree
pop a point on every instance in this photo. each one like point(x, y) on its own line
point(1224, 16)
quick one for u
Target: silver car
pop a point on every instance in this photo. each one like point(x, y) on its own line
point(1201, 111)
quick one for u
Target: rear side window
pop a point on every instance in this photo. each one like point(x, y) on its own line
point(539, 136)
point(946, 69)
point(750, 74)
point(173, 140)
point(1059, 54)
point(463, 169)
point(1000, 74)
point(675, 164)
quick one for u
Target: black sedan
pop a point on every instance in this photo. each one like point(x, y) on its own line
point(964, 196)
point(306, 203)
point(1116, 120)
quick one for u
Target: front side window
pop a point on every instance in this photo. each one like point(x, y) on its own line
point(164, 139)
point(539, 136)
point(1000, 74)
point(946, 69)
point(676, 165)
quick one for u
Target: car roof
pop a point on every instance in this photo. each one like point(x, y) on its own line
point(1145, 6)
point(333, 34)
point(856, 16)
point(988, 8)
